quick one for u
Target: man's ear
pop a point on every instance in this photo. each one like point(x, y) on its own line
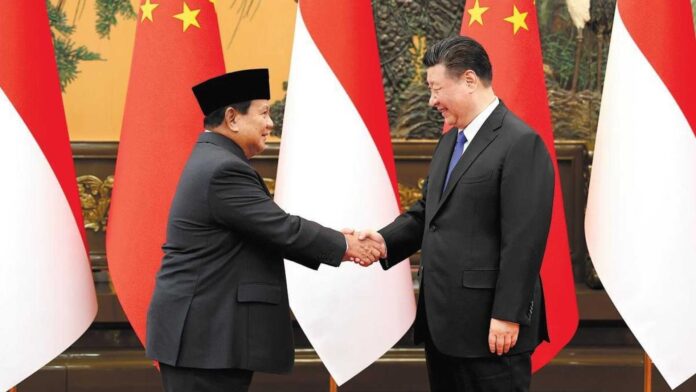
point(470, 78)
point(231, 117)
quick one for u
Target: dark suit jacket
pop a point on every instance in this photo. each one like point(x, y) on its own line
point(220, 298)
point(482, 239)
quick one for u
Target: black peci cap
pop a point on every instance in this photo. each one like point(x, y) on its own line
point(233, 87)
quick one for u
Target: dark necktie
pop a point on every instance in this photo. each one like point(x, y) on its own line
point(456, 154)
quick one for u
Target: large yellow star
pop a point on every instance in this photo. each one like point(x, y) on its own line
point(188, 17)
point(476, 13)
point(147, 9)
point(518, 19)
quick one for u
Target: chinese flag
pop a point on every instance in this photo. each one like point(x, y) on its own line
point(177, 45)
point(509, 31)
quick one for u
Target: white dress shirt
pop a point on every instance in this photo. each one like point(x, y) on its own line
point(472, 129)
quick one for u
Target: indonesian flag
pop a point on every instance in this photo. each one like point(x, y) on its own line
point(177, 45)
point(46, 290)
point(336, 167)
point(509, 32)
point(641, 212)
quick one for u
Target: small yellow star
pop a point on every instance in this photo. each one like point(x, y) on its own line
point(212, 1)
point(147, 9)
point(518, 19)
point(188, 16)
point(476, 12)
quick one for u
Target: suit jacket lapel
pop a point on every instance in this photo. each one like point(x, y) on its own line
point(483, 138)
point(439, 164)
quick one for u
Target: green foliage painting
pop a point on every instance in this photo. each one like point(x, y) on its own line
point(69, 54)
point(574, 64)
point(404, 29)
point(107, 10)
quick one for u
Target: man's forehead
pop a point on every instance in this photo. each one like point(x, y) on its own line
point(260, 103)
point(433, 76)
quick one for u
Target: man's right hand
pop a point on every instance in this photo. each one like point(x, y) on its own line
point(363, 249)
point(373, 236)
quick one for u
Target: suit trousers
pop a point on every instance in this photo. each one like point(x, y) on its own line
point(182, 379)
point(507, 373)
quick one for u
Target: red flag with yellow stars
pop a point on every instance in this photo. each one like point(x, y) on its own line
point(509, 31)
point(177, 45)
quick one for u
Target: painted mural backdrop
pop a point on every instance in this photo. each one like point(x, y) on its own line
point(93, 43)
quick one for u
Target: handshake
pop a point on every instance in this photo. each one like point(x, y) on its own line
point(364, 247)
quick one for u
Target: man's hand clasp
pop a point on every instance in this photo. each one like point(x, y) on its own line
point(364, 247)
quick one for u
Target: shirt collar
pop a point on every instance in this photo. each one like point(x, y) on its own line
point(472, 129)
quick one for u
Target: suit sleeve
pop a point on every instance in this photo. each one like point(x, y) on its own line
point(238, 200)
point(404, 236)
point(526, 203)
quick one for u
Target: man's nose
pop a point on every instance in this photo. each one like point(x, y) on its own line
point(269, 123)
point(433, 100)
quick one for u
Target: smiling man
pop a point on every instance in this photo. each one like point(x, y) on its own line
point(220, 308)
point(481, 225)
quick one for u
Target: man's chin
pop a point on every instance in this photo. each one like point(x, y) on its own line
point(258, 149)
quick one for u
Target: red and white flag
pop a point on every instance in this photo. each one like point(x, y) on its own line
point(641, 211)
point(47, 294)
point(177, 45)
point(336, 166)
point(509, 31)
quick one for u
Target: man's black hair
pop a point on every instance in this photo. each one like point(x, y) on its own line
point(459, 54)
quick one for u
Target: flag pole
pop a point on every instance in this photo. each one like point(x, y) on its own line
point(647, 373)
point(332, 385)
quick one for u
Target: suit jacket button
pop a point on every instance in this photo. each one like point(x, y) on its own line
point(433, 228)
